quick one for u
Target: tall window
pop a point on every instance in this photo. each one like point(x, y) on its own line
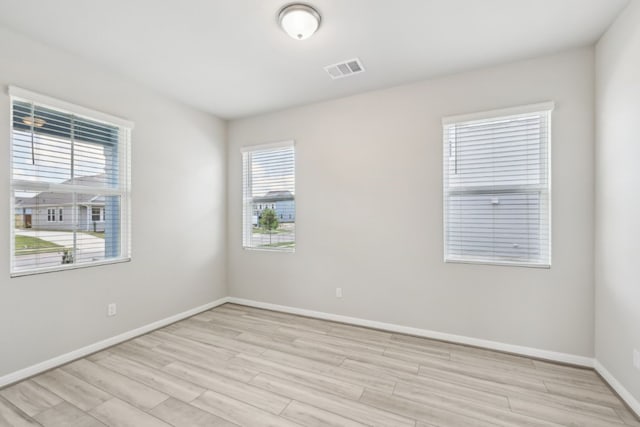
point(496, 187)
point(65, 161)
point(269, 208)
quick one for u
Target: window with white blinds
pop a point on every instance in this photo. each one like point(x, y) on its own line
point(497, 187)
point(70, 185)
point(269, 206)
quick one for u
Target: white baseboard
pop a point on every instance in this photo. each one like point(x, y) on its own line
point(459, 339)
point(633, 403)
point(100, 345)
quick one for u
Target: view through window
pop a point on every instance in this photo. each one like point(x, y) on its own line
point(269, 214)
point(70, 185)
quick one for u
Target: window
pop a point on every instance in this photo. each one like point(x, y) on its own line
point(97, 214)
point(65, 159)
point(51, 215)
point(497, 187)
point(268, 179)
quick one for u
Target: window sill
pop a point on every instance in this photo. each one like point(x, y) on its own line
point(68, 267)
point(499, 263)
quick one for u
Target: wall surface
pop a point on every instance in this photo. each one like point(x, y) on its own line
point(178, 232)
point(369, 210)
point(618, 199)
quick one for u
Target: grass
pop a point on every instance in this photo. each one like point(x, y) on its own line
point(99, 234)
point(33, 245)
point(279, 245)
point(259, 230)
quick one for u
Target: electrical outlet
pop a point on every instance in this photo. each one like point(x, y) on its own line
point(112, 309)
point(636, 359)
point(338, 292)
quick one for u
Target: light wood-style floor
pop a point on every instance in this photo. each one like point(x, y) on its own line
point(236, 365)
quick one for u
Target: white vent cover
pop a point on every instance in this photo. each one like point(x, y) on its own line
point(345, 68)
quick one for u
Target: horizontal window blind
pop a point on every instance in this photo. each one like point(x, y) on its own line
point(496, 188)
point(65, 168)
point(269, 214)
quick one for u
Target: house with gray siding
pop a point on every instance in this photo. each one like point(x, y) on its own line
point(282, 202)
point(56, 211)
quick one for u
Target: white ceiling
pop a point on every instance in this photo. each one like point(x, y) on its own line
point(230, 58)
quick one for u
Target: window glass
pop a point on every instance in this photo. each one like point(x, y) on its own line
point(66, 171)
point(496, 189)
point(269, 197)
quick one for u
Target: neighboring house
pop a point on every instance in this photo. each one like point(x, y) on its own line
point(282, 202)
point(55, 211)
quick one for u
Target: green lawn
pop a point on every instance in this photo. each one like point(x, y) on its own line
point(279, 245)
point(99, 234)
point(33, 245)
point(259, 230)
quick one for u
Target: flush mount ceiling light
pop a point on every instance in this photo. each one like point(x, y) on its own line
point(299, 20)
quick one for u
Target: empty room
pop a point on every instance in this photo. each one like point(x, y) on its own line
point(324, 213)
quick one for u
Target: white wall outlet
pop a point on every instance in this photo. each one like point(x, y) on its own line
point(112, 309)
point(636, 359)
point(338, 292)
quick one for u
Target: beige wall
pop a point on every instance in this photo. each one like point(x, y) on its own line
point(179, 190)
point(369, 210)
point(618, 199)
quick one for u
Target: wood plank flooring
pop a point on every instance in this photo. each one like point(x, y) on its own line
point(241, 366)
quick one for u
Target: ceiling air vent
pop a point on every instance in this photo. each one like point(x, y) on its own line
point(345, 68)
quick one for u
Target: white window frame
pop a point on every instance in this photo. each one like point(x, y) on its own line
point(124, 156)
point(496, 114)
point(247, 210)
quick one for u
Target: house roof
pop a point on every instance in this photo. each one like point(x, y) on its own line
point(275, 196)
point(48, 198)
point(51, 198)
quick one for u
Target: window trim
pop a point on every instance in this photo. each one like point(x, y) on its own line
point(258, 147)
point(491, 114)
point(124, 156)
point(37, 98)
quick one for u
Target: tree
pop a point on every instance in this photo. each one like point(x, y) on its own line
point(269, 221)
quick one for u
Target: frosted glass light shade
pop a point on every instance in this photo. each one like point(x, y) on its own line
point(299, 20)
